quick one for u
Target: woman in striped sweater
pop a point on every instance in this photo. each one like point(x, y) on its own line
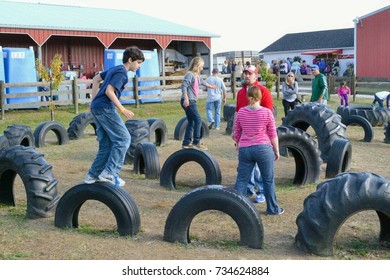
point(257, 142)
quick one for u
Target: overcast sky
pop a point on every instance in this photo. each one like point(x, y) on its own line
point(247, 25)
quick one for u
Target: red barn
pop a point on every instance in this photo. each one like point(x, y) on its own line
point(372, 44)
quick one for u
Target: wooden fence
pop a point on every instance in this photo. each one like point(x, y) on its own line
point(74, 92)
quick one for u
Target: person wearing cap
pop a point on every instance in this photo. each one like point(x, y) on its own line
point(319, 87)
point(250, 79)
point(215, 96)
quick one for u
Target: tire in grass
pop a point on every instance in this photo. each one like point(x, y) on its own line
point(158, 131)
point(117, 199)
point(36, 175)
point(215, 197)
point(376, 117)
point(43, 128)
point(139, 132)
point(230, 125)
point(228, 111)
point(78, 125)
point(324, 121)
point(181, 126)
point(339, 159)
point(337, 199)
point(387, 133)
point(177, 159)
point(364, 123)
point(3, 142)
point(146, 160)
point(303, 148)
point(19, 134)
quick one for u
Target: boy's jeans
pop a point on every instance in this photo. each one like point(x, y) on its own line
point(114, 140)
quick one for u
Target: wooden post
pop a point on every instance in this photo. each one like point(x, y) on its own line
point(353, 86)
point(277, 86)
point(135, 85)
point(75, 93)
point(2, 99)
point(233, 84)
point(331, 80)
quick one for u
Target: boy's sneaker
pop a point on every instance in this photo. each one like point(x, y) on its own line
point(211, 125)
point(189, 146)
point(200, 146)
point(217, 128)
point(259, 199)
point(106, 177)
point(119, 182)
point(89, 179)
point(281, 211)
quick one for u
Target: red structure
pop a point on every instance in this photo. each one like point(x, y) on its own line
point(82, 44)
point(372, 35)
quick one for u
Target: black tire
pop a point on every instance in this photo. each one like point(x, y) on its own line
point(36, 175)
point(364, 123)
point(78, 124)
point(139, 132)
point(215, 197)
point(181, 126)
point(387, 133)
point(228, 111)
point(146, 160)
point(177, 159)
point(275, 111)
point(159, 130)
point(304, 149)
point(42, 129)
point(19, 134)
point(376, 117)
point(3, 142)
point(230, 125)
point(324, 121)
point(117, 199)
point(334, 202)
point(339, 159)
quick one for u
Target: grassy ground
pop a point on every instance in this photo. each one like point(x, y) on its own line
point(213, 234)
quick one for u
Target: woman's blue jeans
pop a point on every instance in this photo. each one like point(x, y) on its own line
point(114, 140)
point(264, 156)
point(194, 126)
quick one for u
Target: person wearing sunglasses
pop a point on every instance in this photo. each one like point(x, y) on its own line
point(290, 93)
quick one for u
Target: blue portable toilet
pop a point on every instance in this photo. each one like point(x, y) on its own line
point(19, 67)
point(149, 68)
point(113, 58)
point(2, 74)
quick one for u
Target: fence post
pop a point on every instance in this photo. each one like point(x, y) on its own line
point(2, 99)
point(331, 80)
point(233, 84)
point(277, 86)
point(135, 85)
point(353, 86)
point(75, 93)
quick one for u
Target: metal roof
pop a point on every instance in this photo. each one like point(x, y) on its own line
point(327, 39)
point(50, 16)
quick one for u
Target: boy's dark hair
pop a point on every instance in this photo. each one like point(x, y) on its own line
point(134, 53)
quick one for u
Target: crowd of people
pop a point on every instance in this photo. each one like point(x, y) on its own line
point(298, 67)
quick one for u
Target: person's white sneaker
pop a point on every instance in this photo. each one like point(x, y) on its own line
point(119, 182)
point(89, 179)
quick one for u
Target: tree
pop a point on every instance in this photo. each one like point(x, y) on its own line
point(266, 75)
point(52, 75)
